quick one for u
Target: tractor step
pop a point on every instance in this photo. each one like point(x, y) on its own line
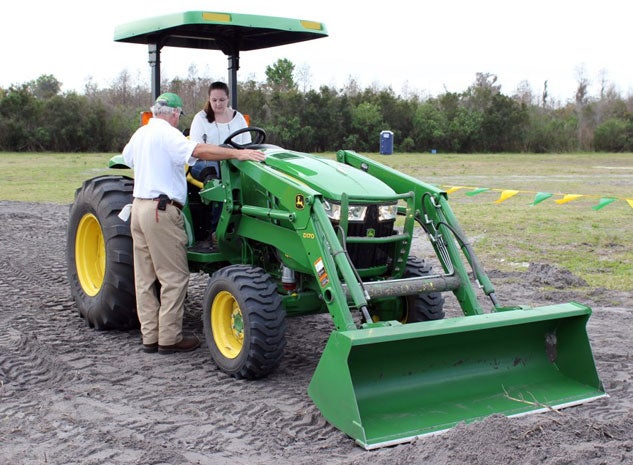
point(202, 247)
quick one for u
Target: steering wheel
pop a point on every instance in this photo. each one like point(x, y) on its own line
point(259, 133)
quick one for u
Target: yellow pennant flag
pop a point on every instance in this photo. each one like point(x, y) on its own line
point(453, 189)
point(505, 195)
point(568, 198)
point(630, 202)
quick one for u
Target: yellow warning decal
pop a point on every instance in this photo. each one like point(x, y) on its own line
point(321, 272)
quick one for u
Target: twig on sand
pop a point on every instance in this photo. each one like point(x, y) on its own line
point(533, 402)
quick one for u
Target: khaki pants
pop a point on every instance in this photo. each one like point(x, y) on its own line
point(159, 255)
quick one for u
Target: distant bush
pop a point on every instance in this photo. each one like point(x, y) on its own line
point(36, 116)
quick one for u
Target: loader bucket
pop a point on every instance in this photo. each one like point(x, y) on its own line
point(387, 385)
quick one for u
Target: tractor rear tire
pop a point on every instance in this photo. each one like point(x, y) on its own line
point(99, 254)
point(422, 307)
point(244, 321)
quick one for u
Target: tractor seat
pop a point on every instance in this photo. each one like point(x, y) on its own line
point(204, 169)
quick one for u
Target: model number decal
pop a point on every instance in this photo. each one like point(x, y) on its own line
point(307, 235)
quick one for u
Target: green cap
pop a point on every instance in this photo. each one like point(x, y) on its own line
point(169, 99)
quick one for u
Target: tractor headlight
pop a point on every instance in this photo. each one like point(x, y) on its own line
point(355, 212)
point(333, 210)
point(387, 212)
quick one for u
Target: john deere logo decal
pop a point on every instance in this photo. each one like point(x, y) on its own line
point(299, 202)
point(371, 232)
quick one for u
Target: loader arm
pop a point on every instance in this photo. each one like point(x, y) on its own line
point(436, 217)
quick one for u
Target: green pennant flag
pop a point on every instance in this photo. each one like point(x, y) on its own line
point(540, 196)
point(604, 201)
point(479, 190)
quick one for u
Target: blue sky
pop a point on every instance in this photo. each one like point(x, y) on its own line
point(427, 47)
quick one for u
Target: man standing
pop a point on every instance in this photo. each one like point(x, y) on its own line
point(158, 152)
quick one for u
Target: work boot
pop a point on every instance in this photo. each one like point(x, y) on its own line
point(187, 344)
point(150, 348)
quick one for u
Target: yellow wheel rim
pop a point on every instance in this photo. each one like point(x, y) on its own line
point(90, 254)
point(227, 324)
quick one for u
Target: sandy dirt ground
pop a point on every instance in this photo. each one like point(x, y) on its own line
point(72, 395)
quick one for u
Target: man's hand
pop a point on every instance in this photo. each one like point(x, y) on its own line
point(249, 154)
point(217, 153)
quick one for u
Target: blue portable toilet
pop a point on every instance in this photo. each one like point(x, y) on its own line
point(386, 142)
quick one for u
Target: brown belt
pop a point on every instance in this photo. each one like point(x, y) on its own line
point(178, 205)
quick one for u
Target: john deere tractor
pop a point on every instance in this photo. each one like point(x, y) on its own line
point(301, 234)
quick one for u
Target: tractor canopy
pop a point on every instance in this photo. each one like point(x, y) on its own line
point(230, 33)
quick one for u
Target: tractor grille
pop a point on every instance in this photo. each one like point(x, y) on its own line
point(369, 255)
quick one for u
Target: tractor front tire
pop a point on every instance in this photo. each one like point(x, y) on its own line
point(99, 254)
point(244, 321)
point(422, 307)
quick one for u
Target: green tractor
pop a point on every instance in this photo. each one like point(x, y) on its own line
point(302, 234)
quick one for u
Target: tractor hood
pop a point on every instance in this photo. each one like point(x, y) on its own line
point(329, 177)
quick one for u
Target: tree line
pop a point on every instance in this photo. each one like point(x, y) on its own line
point(38, 116)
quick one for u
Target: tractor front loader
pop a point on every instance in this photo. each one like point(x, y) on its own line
point(301, 234)
point(394, 368)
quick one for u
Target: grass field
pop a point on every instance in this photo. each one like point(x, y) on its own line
point(593, 244)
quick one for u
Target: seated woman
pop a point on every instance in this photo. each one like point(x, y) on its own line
point(213, 124)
